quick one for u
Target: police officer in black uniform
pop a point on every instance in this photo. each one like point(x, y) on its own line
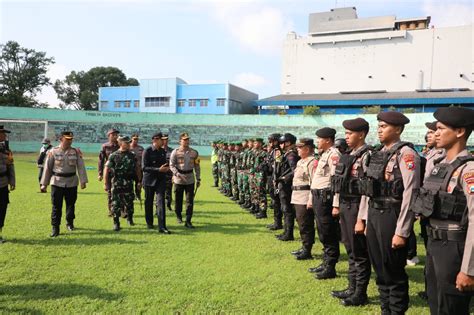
point(447, 199)
point(154, 168)
point(284, 178)
point(392, 174)
point(273, 159)
point(347, 182)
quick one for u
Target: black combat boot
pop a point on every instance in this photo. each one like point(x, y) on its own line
point(130, 219)
point(262, 214)
point(343, 294)
point(305, 254)
point(296, 252)
point(358, 298)
point(328, 273)
point(319, 268)
point(288, 235)
point(116, 223)
point(70, 226)
point(55, 231)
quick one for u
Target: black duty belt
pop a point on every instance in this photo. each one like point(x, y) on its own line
point(321, 192)
point(384, 203)
point(446, 235)
point(184, 172)
point(3, 174)
point(64, 174)
point(304, 187)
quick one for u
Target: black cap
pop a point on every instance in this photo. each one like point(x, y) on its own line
point(326, 132)
point(274, 137)
point(67, 134)
point(431, 125)
point(457, 117)
point(164, 136)
point(305, 142)
point(357, 124)
point(157, 135)
point(393, 118)
point(112, 130)
point(259, 140)
point(4, 130)
point(287, 137)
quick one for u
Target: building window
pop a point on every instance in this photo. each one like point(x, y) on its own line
point(104, 104)
point(136, 104)
point(181, 103)
point(220, 102)
point(203, 103)
point(117, 104)
point(126, 104)
point(157, 101)
point(192, 103)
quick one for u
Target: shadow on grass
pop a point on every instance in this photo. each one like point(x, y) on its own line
point(53, 291)
point(70, 240)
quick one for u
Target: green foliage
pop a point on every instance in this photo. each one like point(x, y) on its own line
point(409, 110)
point(282, 112)
point(80, 90)
point(392, 108)
point(311, 110)
point(22, 75)
point(229, 264)
point(371, 109)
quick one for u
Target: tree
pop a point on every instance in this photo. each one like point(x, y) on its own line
point(371, 109)
point(80, 90)
point(311, 111)
point(22, 75)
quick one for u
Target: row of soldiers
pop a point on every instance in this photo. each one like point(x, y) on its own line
point(368, 198)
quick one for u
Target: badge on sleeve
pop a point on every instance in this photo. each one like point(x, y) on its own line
point(469, 180)
point(335, 159)
point(409, 160)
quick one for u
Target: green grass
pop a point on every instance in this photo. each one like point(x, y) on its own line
point(229, 263)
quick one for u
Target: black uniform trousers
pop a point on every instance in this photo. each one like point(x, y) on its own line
point(4, 201)
point(169, 191)
point(287, 209)
point(443, 263)
point(388, 263)
point(305, 219)
point(151, 192)
point(275, 204)
point(179, 192)
point(355, 244)
point(58, 194)
point(329, 231)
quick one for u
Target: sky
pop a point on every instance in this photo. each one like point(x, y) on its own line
point(199, 41)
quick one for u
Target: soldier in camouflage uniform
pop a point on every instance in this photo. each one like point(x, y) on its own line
point(247, 176)
point(123, 169)
point(260, 179)
point(240, 168)
point(227, 167)
point(215, 163)
point(233, 171)
point(7, 177)
point(220, 157)
point(106, 150)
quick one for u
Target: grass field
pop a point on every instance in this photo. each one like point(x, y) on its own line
point(230, 263)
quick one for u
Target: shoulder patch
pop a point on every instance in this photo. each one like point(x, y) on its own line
point(409, 160)
point(468, 178)
point(335, 159)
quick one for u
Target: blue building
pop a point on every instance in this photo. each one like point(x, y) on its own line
point(174, 95)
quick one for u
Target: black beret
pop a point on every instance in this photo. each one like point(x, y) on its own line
point(326, 132)
point(357, 124)
point(457, 117)
point(4, 130)
point(393, 118)
point(113, 130)
point(305, 142)
point(431, 125)
point(274, 136)
point(157, 135)
point(287, 137)
point(124, 139)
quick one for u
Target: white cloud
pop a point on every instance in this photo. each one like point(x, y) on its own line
point(258, 28)
point(249, 80)
point(47, 94)
point(449, 13)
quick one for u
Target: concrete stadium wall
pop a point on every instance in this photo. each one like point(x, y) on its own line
point(90, 127)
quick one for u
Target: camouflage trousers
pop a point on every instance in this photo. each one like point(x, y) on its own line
point(260, 193)
point(226, 184)
point(248, 188)
point(215, 173)
point(244, 187)
point(234, 183)
point(220, 171)
point(122, 202)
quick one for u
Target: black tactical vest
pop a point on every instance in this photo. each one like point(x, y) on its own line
point(433, 201)
point(374, 184)
point(342, 182)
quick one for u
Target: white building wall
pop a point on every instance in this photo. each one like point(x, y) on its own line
point(429, 58)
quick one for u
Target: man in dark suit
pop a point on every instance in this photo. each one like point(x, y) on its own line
point(154, 168)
